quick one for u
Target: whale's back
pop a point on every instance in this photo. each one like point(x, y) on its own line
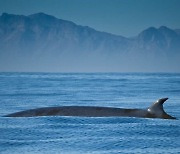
point(154, 111)
point(86, 111)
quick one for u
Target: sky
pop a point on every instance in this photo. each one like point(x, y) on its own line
point(120, 17)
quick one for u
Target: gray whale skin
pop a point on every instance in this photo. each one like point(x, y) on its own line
point(154, 111)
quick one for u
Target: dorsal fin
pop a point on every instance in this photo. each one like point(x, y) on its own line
point(157, 109)
point(157, 106)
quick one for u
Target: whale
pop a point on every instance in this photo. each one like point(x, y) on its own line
point(154, 111)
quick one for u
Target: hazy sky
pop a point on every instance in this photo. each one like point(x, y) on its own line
point(122, 17)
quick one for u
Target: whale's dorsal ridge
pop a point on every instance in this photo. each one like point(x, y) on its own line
point(154, 111)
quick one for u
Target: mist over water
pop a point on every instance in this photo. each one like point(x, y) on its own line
point(92, 62)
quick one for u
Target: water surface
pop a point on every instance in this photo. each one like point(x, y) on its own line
point(21, 91)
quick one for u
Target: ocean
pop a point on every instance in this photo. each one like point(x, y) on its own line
point(109, 135)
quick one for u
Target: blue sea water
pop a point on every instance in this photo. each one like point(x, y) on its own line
point(22, 91)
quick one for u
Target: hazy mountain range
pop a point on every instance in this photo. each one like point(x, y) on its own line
point(41, 42)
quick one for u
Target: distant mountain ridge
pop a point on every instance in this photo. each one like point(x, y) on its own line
point(63, 35)
point(162, 38)
point(48, 43)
